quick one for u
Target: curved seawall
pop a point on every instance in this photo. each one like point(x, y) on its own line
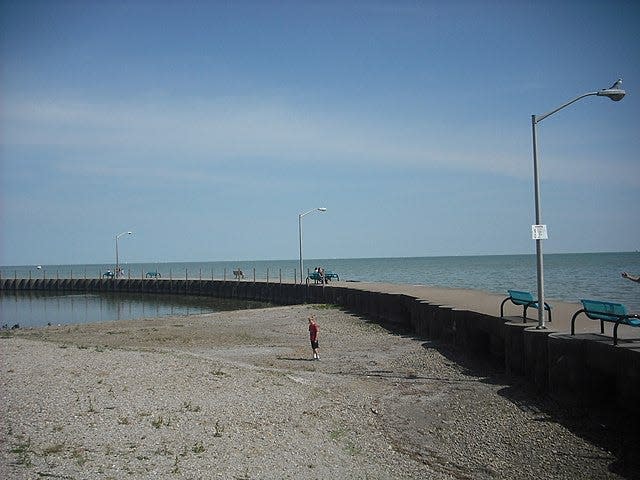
point(585, 370)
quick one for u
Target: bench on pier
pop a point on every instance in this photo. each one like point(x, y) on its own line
point(328, 276)
point(153, 275)
point(524, 299)
point(606, 312)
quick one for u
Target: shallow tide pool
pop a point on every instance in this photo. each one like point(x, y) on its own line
point(37, 309)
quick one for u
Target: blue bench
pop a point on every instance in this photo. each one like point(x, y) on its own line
point(328, 276)
point(606, 312)
point(524, 299)
point(153, 275)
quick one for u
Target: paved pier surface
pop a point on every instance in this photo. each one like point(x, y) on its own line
point(489, 304)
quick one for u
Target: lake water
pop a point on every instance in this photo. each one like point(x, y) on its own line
point(568, 277)
point(37, 308)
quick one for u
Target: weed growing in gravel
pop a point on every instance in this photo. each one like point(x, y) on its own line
point(160, 421)
point(198, 447)
point(123, 420)
point(156, 423)
point(23, 451)
point(338, 435)
point(164, 451)
point(53, 449)
point(245, 337)
point(191, 408)
point(219, 429)
point(176, 466)
point(80, 456)
point(91, 409)
point(351, 449)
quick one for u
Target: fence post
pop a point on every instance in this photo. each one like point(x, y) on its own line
point(267, 275)
point(280, 272)
point(225, 274)
point(254, 274)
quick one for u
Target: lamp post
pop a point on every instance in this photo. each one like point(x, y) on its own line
point(615, 93)
point(320, 209)
point(117, 272)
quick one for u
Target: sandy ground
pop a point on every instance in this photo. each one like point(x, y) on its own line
point(235, 395)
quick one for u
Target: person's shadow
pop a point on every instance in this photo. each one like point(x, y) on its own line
point(291, 359)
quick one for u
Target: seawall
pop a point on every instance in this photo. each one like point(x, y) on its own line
point(583, 371)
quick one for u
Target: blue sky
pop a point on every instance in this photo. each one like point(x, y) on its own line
point(207, 127)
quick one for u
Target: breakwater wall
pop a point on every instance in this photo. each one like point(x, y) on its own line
point(578, 371)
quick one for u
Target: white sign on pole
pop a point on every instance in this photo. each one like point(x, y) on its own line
point(539, 232)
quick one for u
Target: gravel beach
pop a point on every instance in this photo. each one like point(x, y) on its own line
point(236, 395)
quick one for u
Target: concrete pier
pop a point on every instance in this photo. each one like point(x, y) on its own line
point(584, 370)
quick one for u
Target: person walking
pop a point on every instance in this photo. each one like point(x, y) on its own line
point(313, 336)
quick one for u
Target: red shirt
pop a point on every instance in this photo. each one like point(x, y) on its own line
point(313, 331)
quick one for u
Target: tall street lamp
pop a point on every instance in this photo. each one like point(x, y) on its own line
point(320, 209)
point(117, 272)
point(539, 231)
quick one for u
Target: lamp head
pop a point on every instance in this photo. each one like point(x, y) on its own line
point(614, 92)
point(322, 209)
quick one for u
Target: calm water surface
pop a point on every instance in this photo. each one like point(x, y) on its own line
point(35, 309)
